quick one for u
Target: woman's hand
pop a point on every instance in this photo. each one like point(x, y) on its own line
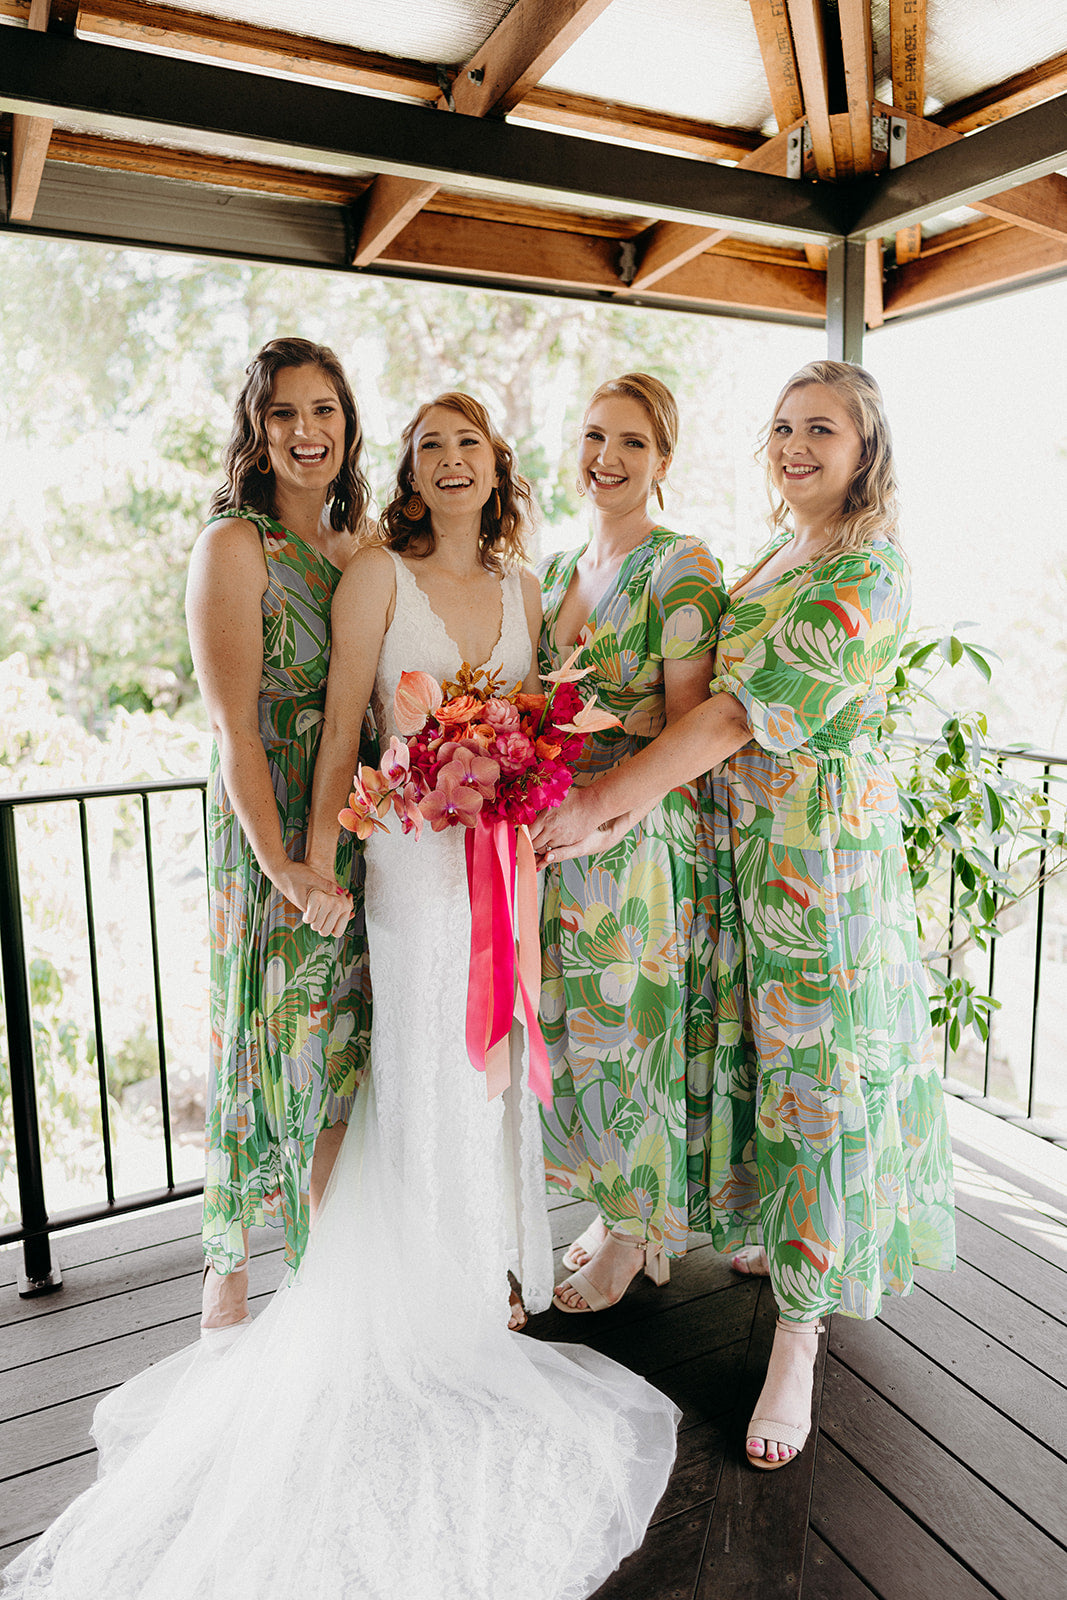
point(567, 824)
point(326, 907)
point(594, 844)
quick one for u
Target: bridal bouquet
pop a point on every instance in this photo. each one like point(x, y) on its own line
point(477, 756)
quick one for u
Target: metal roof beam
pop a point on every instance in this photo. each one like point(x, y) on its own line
point(128, 94)
point(1000, 157)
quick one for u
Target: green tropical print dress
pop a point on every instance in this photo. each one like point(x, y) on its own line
point(290, 1010)
point(830, 1141)
point(627, 942)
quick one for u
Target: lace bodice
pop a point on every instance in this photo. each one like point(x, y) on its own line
point(418, 641)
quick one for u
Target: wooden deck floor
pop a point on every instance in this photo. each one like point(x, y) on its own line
point(940, 1471)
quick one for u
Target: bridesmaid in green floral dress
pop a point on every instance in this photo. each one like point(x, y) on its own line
point(627, 942)
point(829, 1136)
point(290, 1008)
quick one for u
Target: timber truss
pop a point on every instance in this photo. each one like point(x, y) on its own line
point(161, 126)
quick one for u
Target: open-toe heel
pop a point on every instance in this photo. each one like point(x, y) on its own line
point(655, 1264)
point(783, 1433)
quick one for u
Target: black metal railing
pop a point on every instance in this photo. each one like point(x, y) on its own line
point(35, 1227)
point(40, 1273)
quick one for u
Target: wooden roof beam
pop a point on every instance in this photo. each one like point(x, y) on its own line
point(29, 141)
point(806, 23)
point(467, 248)
point(1015, 94)
point(529, 40)
point(1040, 205)
point(854, 18)
point(907, 27)
point(561, 109)
point(667, 246)
point(240, 44)
point(984, 266)
point(771, 21)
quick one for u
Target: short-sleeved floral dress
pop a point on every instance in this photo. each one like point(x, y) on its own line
point(626, 1000)
point(830, 1134)
point(290, 1010)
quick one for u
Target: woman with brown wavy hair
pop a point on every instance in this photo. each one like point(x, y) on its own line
point(289, 1008)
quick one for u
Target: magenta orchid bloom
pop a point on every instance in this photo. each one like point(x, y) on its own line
point(474, 770)
point(406, 806)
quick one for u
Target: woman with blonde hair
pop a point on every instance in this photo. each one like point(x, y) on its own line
point(627, 940)
point(834, 1168)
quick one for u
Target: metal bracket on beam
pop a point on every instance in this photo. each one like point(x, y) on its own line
point(794, 159)
point(444, 83)
point(898, 141)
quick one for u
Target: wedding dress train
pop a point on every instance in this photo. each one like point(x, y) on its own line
point(378, 1433)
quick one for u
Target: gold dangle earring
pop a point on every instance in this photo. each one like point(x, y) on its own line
point(580, 486)
point(659, 493)
point(496, 504)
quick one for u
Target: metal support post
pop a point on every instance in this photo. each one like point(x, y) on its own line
point(39, 1274)
point(845, 286)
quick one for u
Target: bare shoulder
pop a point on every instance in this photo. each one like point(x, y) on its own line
point(229, 551)
point(366, 590)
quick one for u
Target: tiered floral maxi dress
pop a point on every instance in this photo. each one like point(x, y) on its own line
point(628, 936)
point(290, 1010)
point(829, 1121)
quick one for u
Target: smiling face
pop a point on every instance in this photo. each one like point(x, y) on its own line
point(618, 461)
point(814, 452)
point(453, 466)
point(305, 428)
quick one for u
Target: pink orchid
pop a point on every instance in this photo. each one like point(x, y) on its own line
point(396, 763)
point(453, 800)
point(360, 815)
point(417, 696)
point(406, 806)
point(475, 771)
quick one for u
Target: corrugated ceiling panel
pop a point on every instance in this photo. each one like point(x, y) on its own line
point(974, 44)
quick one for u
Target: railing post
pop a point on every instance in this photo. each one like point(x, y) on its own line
point(40, 1275)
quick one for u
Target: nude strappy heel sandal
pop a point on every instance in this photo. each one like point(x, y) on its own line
point(783, 1432)
point(656, 1266)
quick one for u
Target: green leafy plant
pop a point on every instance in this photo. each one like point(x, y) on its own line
point(979, 839)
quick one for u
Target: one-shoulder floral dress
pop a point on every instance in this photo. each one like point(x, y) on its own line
point(829, 1123)
point(290, 1010)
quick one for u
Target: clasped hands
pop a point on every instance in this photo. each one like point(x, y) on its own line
point(573, 829)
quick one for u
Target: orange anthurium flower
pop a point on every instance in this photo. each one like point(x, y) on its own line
point(417, 696)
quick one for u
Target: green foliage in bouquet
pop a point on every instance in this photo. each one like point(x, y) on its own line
point(980, 839)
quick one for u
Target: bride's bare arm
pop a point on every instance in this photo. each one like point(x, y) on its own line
point(531, 599)
point(361, 613)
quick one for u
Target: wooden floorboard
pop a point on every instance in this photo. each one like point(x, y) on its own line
point(939, 1467)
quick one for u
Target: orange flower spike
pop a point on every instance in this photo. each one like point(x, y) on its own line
point(417, 696)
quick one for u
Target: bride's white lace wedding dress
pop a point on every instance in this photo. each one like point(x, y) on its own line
point(378, 1433)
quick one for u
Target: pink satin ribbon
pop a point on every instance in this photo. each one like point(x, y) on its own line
point(504, 980)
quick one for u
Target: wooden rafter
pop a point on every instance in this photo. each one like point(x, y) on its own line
point(560, 109)
point(29, 141)
point(1040, 205)
point(1025, 89)
point(483, 249)
point(669, 245)
point(771, 21)
point(521, 48)
point(1011, 255)
point(854, 17)
point(806, 23)
point(907, 26)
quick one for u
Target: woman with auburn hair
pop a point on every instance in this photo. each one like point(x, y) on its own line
point(290, 1009)
point(626, 1002)
point(834, 1169)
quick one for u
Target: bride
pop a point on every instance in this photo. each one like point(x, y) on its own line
point(379, 1431)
